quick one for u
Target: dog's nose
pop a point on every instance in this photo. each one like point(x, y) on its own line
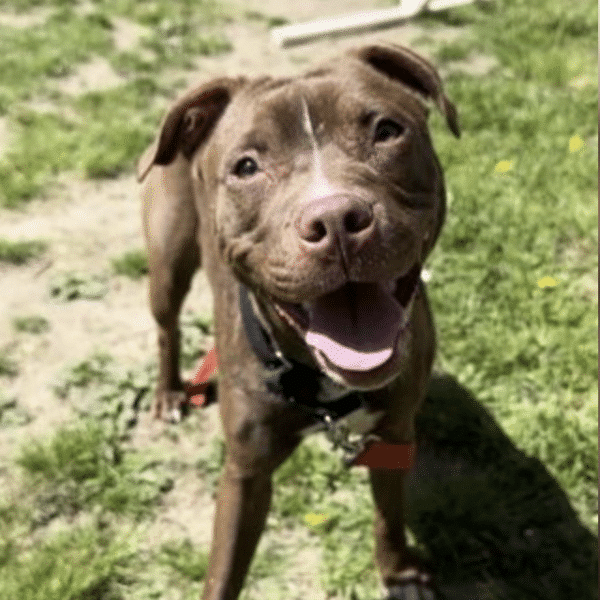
point(340, 219)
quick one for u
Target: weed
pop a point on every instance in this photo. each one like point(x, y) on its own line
point(83, 563)
point(133, 264)
point(182, 557)
point(8, 365)
point(31, 324)
point(452, 52)
point(77, 286)
point(85, 466)
point(12, 414)
point(19, 253)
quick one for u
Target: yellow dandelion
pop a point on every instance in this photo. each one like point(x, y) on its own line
point(503, 166)
point(314, 519)
point(576, 143)
point(547, 281)
point(580, 82)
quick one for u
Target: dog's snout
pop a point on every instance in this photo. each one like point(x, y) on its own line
point(335, 219)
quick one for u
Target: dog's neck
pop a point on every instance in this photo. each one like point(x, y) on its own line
point(281, 369)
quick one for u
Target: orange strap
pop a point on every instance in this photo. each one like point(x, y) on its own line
point(196, 388)
point(382, 455)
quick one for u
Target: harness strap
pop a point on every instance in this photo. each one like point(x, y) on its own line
point(290, 378)
point(378, 454)
point(196, 389)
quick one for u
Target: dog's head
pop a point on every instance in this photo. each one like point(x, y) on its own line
point(324, 195)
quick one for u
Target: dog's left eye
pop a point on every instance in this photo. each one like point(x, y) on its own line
point(387, 130)
point(245, 167)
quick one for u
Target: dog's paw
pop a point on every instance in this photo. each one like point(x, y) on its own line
point(170, 406)
point(413, 584)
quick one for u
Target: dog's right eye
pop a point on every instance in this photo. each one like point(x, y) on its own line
point(245, 167)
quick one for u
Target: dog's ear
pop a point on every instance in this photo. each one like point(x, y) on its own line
point(407, 67)
point(188, 123)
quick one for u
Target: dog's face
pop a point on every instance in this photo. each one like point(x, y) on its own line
point(327, 197)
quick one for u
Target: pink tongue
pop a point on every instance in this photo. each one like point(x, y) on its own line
point(355, 327)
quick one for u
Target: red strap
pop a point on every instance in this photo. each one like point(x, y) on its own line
point(382, 455)
point(195, 389)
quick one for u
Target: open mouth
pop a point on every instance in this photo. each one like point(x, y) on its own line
point(355, 330)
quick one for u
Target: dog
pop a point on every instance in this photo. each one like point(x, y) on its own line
point(312, 203)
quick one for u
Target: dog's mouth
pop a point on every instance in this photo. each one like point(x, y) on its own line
point(354, 332)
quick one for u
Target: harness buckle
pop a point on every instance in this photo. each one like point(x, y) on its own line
point(340, 436)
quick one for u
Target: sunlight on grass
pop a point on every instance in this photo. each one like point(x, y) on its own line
point(513, 289)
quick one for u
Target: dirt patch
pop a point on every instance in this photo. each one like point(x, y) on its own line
point(126, 34)
point(32, 18)
point(95, 75)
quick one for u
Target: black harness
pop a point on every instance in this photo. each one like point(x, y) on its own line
point(298, 384)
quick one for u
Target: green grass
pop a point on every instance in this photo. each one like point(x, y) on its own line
point(527, 353)
point(19, 253)
point(82, 564)
point(99, 133)
point(506, 496)
point(8, 365)
point(71, 286)
point(31, 324)
point(133, 264)
point(188, 561)
point(84, 467)
point(31, 57)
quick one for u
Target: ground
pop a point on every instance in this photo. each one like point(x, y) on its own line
point(86, 224)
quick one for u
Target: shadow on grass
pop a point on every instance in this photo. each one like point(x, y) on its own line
point(496, 522)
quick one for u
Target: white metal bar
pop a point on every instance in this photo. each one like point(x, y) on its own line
point(361, 21)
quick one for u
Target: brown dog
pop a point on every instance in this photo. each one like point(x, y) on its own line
point(313, 202)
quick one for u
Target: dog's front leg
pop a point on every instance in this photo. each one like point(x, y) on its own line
point(259, 437)
point(242, 506)
point(401, 572)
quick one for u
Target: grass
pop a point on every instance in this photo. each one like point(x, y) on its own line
point(96, 133)
point(133, 264)
point(31, 324)
point(19, 253)
point(81, 564)
point(182, 557)
point(8, 365)
point(84, 467)
point(529, 353)
point(70, 286)
point(505, 496)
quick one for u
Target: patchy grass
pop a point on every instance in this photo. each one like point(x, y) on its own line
point(8, 365)
point(82, 563)
point(133, 264)
point(19, 253)
point(98, 133)
point(189, 562)
point(12, 414)
point(31, 57)
point(31, 324)
point(76, 286)
point(85, 466)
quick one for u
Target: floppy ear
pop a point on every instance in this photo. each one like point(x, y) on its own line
point(188, 123)
point(410, 69)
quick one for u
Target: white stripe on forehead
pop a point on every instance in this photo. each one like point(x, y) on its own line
point(320, 187)
point(307, 123)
